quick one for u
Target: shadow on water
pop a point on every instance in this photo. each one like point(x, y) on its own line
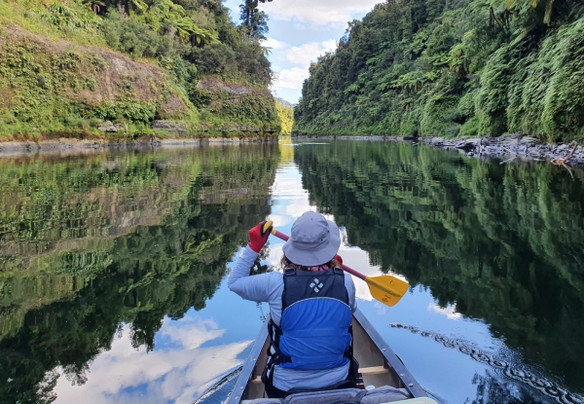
point(504, 243)
point(89, 244)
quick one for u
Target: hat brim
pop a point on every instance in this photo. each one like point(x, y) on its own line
point(320, 256)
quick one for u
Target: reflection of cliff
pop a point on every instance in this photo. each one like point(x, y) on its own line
point(157, 248)
point(503, 242)
point(54, 208)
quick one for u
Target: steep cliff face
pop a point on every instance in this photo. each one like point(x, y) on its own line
point(56, 87)
point(46, 81)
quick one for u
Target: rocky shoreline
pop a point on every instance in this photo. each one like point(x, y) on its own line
point(512, 147)
point(509, 148)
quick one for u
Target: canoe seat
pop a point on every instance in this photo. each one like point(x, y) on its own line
point(383, 394)
point(373, 370)
point(326, 396)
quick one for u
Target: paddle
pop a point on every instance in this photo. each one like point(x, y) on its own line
point(386, 288)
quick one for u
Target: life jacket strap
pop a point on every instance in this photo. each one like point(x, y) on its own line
point(276, 357)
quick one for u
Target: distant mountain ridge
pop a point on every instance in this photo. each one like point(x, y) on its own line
point(285, 103)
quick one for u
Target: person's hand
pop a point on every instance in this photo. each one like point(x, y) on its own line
point(259, 235)
point(339, 260)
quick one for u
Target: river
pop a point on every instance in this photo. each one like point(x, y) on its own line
point(113, 267)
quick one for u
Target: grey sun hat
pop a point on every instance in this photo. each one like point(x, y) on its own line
point(314, 240)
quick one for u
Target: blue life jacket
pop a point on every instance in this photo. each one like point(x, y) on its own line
point(314, 332)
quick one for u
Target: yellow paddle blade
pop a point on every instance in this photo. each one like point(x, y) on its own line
point(386, 288)
point(266, 227)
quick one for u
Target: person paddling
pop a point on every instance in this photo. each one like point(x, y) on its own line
point(311, 305)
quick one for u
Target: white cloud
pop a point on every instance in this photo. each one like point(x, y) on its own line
point(296, 22)
point(193, 331)
point(289, 199)
point(306, 53)
point(322, 12)
point(274, 44)
point(178, 373)
point(290, 78)
point(301, 56)
point(449, 311)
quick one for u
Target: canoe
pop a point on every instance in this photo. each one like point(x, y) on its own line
point(384, 377)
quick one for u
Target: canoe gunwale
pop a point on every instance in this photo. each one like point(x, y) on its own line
point(390, 356)
point(250, 364)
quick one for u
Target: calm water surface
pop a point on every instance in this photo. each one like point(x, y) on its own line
point(113, 267)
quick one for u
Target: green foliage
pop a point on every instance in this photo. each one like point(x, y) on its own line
point(127, 109)
point(136, 38)
point(37, 84)
point(221, 111)
point(470, 128)
point(191, 39)
point(162, 30)
point(62, 16)
point(548, 94)
point(286, 115)
point(492, 96)
point(56, 19)
point(246, 62)
point(250, 107)
point(461, 67)
point(254, 21)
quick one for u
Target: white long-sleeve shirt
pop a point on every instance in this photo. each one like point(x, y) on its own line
point(268, 287)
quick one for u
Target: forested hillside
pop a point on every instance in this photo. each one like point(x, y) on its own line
point(85, 67)
point(453, 67)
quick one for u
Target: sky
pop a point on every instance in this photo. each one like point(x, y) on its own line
point(299, 32)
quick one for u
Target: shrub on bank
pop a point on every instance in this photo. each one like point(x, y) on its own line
point(50, 77)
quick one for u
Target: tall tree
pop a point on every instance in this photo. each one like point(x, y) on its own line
point(254, 21)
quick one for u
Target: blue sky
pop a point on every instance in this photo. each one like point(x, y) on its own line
point(301, 31)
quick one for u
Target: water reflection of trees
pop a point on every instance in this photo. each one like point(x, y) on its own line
point(490, 389)
point(503, 242)
point(88, 244)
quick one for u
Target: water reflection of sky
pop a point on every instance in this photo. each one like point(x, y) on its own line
point(191, 354)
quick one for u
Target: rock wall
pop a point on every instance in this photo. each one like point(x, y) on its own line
point(55, 88)
point(85, 75)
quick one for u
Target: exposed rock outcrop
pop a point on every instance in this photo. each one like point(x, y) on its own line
point(51, 88)
point(214, 85)
point(90, 75)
